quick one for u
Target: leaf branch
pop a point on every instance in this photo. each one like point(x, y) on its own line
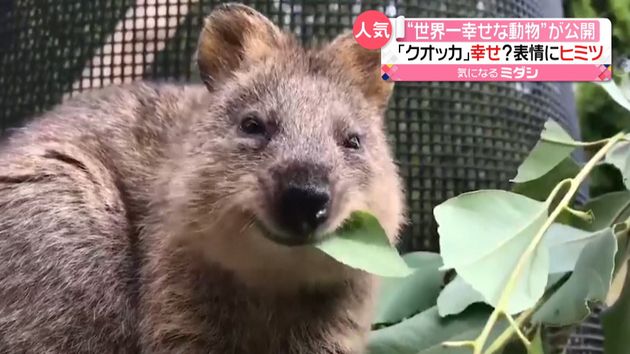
point(507, 334)
point(576, 143)
point(504, 298)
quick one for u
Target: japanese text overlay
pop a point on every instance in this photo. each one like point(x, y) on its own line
point(418, 49)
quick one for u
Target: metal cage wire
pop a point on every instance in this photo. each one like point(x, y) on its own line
point(448, 137)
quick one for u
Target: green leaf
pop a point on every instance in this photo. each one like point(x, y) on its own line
point(540, 188)
point(456, 297)
point(401, 298)
point(621, 233)
point(536, 346)
point(555, 279)
point(583, 9)
point(624, 86)
point(362, 244)
point(486, 232)
point(619, 156)
point(616, 322)
point(425, 332)
point(589, 282)
point(615, 93)
point(566, 243)
point(554, 146)
point(608, 209)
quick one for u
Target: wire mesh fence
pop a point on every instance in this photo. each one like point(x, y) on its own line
point(448, 137)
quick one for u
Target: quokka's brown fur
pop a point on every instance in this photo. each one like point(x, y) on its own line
point(132, 218)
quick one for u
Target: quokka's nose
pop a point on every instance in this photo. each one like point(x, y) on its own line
point(304, 208)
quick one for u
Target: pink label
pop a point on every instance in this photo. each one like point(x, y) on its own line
point(489, 72)
point(426, 49)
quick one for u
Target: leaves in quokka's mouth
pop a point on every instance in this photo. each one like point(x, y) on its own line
point(361, 243)
point(619, 156)
point(589, 282)
point(401, 298)
point(483, 234)
point(554, 146)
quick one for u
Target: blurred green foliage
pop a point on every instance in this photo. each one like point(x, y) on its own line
point(599, 115)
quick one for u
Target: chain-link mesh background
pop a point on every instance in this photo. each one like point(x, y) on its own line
point(449, 138)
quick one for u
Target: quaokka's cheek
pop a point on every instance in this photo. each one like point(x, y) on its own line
point(264, 264)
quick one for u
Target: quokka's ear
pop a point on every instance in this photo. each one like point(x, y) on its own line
point(234, 36)
point(362, 67)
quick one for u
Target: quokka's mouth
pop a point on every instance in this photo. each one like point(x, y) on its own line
point(286, 239)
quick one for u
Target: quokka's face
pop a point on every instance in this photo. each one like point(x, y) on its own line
point(296, 137)
point(300, 149)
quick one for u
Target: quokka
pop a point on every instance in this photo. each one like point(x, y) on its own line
point(163, 218)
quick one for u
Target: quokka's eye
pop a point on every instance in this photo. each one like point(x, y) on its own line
point(251, 124)
point(352, 142)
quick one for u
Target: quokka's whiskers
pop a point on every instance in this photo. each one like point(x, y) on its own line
point(248, 225)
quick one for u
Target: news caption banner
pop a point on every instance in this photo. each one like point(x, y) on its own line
point(528, 49)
